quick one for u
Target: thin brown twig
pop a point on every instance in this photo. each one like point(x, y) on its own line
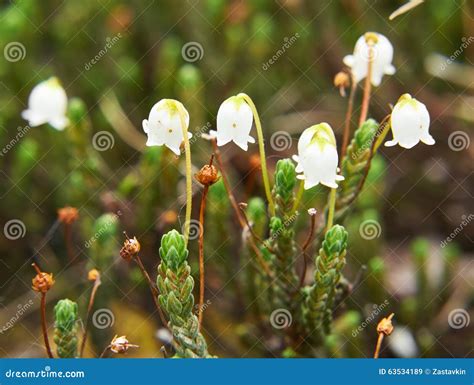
point(153, 289)
point(369, 161)
point(233, 202)
point(97, 283)
point(104, 351)
point(201, 253)
point(379, 345)
point(347, 123)
point(305, 249)
point(43, 316)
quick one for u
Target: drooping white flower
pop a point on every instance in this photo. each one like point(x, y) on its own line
point(410, 122)
point(317, 158)
point(234, 122)
point(47, 103)
point(371, 45)
point(163, 125)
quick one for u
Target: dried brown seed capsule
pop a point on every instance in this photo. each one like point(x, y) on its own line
point(68, 215)
point(208, 175)
point(385, 325)
point(130, 248)
point(42, 282)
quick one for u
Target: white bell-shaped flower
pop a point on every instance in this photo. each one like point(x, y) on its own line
point(234, 122)
point(163, 125)
point(47, 103)
point(410, 122)
point(371, 45)
point(317, 158)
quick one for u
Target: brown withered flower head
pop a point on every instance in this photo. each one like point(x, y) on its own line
point(130, 248)
point(207, 175)
point(68, 215)
point(42, 282)
point(120, 345)
point(385, 325)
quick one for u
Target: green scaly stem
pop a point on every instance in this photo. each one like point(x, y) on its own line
point(65, 328)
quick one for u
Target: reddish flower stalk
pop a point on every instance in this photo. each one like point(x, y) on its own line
point(207, 176)
point(347, 123)
point(312, 213)
point(241, 220)
point(384, 328)
point(41, 283)
point(367, 85)
point(68, 215)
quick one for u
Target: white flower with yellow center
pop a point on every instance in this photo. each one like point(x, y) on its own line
point(410, 123)
point(163, 125)
point(234, 122)
point(377, 48)
point(317, 158)
point(47, 103)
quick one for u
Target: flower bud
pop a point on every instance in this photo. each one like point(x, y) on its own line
point(68, 215)
point(385, 325)
point(42, 282)
point(131, 247)
point(342, 80)
point(120, 345)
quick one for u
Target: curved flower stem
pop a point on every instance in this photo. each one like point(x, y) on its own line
point(379, 345)
point(305, 249)
point(43, 317)
point(43, 325)
point(376, 143)
point(189, 180)
point(201, 253)
point(347, 123)
point(153, 289)
point(261, 147)
point(104, 351)
point(97, 283)
point(332, 204)
point(367, 88)
point(299, 196)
